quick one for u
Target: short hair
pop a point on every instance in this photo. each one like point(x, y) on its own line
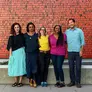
point(72, 20)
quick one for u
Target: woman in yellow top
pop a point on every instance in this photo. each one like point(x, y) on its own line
point(44, 55)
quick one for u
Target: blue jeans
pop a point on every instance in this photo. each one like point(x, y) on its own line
point(57, 61)
point(31, 65)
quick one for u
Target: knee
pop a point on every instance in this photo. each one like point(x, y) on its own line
point(59, 68)
point(78, 68)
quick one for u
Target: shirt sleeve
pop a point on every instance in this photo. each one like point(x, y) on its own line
point(65, 32)
point(49, 41)
point(65, 38)
point(10, 43)
point(23, 37)
point(82, 38)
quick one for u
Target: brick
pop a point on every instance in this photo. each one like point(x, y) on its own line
point(47, 13)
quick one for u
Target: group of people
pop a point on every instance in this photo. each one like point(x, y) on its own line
point(30, 54)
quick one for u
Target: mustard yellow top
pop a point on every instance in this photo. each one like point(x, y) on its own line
point(44, 43)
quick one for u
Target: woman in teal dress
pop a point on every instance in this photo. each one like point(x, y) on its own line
point(15, 46)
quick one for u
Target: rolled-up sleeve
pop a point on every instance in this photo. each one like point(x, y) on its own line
point(82, 38)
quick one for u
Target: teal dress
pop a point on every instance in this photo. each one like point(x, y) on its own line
point(17, 64)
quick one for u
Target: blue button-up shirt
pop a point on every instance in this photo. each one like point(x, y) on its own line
point(75, 39)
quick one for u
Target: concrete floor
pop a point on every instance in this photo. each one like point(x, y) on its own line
point(50, 88)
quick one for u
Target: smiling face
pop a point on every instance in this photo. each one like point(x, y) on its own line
point(57, 29)
point(42, 31)
point(71, 24)
point(16, 28)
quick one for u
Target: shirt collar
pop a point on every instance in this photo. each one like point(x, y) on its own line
point(73, 29)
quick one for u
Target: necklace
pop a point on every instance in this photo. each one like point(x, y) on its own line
point(30, 38)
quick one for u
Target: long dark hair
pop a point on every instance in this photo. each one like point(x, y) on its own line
point(30, 23)
point(39, 34)
point(12, 32)
point(60, 36)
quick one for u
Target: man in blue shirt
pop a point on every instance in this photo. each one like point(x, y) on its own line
point(75, 41)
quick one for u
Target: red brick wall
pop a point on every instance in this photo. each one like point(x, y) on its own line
point(47, 13)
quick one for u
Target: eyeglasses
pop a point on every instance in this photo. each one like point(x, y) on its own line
point(42, 28)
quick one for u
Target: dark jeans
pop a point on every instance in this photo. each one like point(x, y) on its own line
point(57, 61)
point(31, 65)
point(44, 60)
point(75, 66)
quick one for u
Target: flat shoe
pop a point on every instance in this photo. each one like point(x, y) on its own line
point(19, 85)
point(14, 84)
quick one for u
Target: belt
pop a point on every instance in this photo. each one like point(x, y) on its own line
point(44, 51)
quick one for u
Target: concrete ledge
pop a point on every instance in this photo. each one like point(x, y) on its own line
point(65, 66)
point(86, 75)
point(85, 79)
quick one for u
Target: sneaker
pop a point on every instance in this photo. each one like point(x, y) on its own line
point(70, 84)
point(45, 84)
point(42, 84)
point(78, 85)
point(61, 85)
point(57, 84)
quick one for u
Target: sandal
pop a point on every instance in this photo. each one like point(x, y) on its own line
point(34, 84)
point(31, 83)
point(20, 85)
point(14, 84)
